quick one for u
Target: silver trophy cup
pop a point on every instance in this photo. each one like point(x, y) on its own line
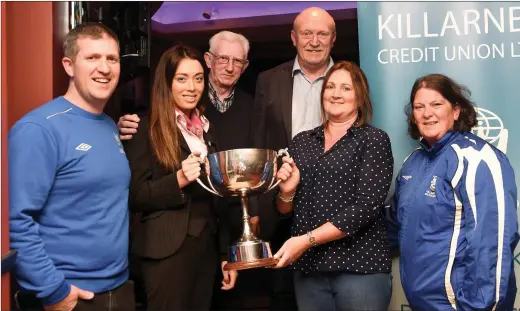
point(244, 173)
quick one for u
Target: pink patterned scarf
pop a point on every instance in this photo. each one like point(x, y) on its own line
point(194, 124)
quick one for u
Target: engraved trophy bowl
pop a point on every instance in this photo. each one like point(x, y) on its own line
point(244, 173)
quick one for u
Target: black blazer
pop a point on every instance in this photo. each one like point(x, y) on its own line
point(271, 128)
point(271, 125)
point(155, 195)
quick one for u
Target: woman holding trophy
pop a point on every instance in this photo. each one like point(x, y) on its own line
point(176, 238)
point(335, 186)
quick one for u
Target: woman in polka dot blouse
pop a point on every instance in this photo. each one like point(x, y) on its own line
point(335, 186)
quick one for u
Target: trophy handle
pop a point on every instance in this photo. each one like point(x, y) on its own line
point(208, 189)
point(212, 190)
point(211, 185)
point(280, 153)
point(273, 186)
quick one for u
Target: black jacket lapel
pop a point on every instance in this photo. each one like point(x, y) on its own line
point(286, 93)
point(184, 144)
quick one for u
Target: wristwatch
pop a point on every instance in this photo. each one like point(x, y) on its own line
point(312, 239)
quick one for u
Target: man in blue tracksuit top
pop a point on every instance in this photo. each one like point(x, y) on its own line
point(68, 188)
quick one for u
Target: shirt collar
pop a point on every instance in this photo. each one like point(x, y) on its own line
point(319, 132)
point(296, 67)
point(181, 119)
point(439, 145)
point(213, 92)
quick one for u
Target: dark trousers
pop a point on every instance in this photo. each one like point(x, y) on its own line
point(183, 281)
point(118, 299)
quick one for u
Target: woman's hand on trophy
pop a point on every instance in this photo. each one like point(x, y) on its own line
point(190, 170)
point(230, 277)
point(291, 250)
point(289, 175)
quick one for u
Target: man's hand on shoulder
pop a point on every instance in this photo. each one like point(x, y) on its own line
point(128, 125)
point(70, 302)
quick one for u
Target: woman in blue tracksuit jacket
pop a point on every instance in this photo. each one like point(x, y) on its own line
point(454, 211)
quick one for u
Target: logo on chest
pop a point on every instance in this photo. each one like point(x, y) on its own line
point(83, 147)
point(431, 191)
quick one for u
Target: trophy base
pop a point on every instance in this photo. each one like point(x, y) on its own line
point(250, 254)
point(243, 265)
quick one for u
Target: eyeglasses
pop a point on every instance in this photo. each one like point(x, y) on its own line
point(224, 60)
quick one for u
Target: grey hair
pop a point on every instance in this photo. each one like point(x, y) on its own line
point(230, 37)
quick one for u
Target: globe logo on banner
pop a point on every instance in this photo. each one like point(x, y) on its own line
point(491, 128)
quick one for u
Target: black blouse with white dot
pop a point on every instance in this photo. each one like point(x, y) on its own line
point(347, 186)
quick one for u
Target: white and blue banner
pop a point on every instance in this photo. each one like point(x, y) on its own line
point(475, 43)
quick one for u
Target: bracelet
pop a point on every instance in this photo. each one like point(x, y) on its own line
point(290, 199)
point(312, 239)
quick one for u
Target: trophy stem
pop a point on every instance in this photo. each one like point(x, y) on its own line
point(247, 234)
point(249, 252)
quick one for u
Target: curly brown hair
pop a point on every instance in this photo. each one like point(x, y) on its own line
point(455, 93)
